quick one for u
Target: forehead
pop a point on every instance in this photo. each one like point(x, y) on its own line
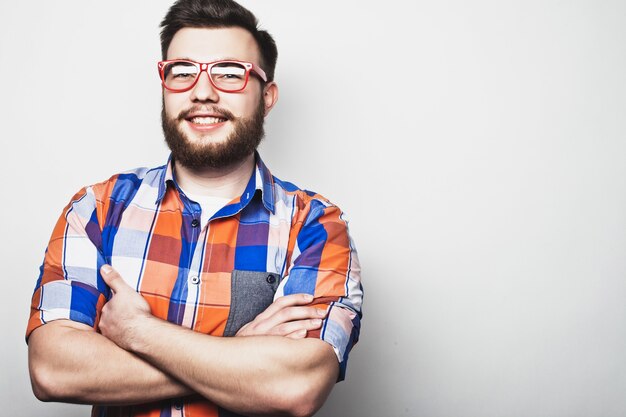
point(211, 44)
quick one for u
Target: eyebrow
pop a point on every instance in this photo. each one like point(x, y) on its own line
point(215, 60)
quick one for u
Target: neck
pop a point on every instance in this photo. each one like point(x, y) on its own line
point(226, 182)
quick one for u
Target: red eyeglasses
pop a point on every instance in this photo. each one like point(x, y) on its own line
point(180, 75)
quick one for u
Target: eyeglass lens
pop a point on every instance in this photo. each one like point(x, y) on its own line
point(228, 76)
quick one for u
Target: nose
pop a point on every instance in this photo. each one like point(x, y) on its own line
point(204, 90)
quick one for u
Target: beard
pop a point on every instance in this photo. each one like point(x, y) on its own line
point(240, 143)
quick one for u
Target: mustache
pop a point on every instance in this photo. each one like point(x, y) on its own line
point(218, 111)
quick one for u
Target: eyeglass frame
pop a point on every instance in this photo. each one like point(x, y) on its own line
point(206, 67)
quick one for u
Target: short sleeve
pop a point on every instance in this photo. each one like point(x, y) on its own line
point(69, 285)
point(325, 264)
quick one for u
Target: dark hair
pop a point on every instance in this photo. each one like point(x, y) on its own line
point(218, 14)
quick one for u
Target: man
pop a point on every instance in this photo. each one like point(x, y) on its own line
point(145, 271)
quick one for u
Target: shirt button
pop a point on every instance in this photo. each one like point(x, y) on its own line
point(195, 223)
point(195, 279)
point(270, 279)
point(178, 405)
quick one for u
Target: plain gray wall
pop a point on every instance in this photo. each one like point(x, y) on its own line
point(477, 146)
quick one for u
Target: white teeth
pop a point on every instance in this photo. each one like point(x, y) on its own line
point(207, 120)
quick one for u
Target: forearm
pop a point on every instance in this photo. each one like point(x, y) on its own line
point(70, 362)
point(260, 375)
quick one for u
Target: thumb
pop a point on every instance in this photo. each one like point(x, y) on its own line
point(112, 278)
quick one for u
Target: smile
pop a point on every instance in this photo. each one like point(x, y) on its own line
point(206, 120)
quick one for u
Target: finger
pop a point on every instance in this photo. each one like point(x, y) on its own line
point(112, 278)
point(286, 301)
point(297, 313)
point(242, 330)
point(287, 315)
point(299, 334)
point(298, 327)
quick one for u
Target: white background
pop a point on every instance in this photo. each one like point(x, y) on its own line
point(477, 147)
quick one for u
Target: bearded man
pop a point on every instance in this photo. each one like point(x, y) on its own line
point(146, 272)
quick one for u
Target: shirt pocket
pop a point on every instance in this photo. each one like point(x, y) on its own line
point(251, 292)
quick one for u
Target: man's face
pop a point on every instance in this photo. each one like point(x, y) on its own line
point(205, 127)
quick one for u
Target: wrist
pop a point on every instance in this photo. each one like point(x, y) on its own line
point(140, 333)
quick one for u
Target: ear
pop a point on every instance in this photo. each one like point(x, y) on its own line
point(270, 96)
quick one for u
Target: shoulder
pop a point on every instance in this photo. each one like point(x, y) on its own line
point(123, 186)
point(308, 205)
point(126, 184)
point(113, 195)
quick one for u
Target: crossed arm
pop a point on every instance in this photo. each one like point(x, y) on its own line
point(139, 358)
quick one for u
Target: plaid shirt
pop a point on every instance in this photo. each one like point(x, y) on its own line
point(273, 240)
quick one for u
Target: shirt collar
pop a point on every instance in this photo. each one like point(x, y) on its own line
point(261, 179)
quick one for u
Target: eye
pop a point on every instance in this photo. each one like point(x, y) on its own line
point(228, 71)
point(181, 71)
point(183, 75)
point(231, 75)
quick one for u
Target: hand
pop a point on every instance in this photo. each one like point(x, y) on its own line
point(287, 316)
point(124, 312)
